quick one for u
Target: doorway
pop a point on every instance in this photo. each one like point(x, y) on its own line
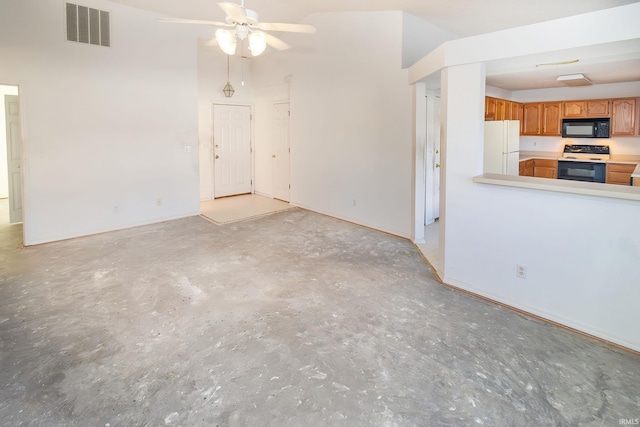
point(281, 151)
point(232, 150)
point(432, 161)
point(11, 154)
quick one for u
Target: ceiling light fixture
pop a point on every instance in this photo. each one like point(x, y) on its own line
point(257, 43)
point(228, 89)
point(227, 40)
point(577, 79)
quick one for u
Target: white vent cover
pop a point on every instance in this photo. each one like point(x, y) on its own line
point(87, 25)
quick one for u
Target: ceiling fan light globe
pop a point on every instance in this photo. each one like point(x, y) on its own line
point(226, 40)
point(257, 43)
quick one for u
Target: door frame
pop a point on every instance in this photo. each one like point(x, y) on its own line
point(432, 160)
point(253, 143)
point(24, 165)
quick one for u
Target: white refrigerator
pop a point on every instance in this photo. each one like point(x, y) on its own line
point(502, 147)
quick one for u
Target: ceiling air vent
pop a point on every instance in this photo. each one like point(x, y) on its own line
point(87, 25)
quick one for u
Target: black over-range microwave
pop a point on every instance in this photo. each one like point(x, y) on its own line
point(585, 128)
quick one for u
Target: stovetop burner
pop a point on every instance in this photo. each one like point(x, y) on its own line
point(589, 152)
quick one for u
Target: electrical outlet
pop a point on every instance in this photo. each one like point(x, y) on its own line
point(187, 148)
point(521, 271)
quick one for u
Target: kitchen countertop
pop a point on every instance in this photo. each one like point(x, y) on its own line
point(552, 155)
point(563, 186)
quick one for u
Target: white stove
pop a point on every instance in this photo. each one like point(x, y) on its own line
point(584, 163)
point(586, 153)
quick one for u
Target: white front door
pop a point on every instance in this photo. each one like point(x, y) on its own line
point(281, 151)
point(232, 150)
point(14, 145)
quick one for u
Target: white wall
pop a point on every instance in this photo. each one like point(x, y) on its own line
point(581, 252)
point(419, 37)
point(104, 128)
point(4, 172)
point(212, 77)
point(351, 135)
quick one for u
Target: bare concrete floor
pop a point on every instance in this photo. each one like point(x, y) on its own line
point(293, 319)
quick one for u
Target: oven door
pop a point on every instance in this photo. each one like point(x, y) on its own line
point(582, 171)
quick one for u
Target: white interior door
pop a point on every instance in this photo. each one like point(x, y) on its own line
point(14, 145)
point(432, 161)
point(232, 150)
point(281, 151)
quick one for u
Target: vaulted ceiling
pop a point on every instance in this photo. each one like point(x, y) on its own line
point(462, 17)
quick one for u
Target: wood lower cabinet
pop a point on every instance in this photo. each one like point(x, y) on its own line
point(526, 168)
point(619, 173)
point(623, 112)
point(545, 168)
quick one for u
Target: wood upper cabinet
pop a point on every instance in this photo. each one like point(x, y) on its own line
point(598, 108)
point(531, 117)
point(623, 112)
point(542, 118)
point(517, 112)
point(590, 108)
point(575, 109)
point(551, 118)
point(490, 108)
point(500, 109)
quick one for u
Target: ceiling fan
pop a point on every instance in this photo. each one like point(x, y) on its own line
point(243, 24)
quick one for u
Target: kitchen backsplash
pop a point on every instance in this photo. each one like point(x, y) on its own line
point(619, 146)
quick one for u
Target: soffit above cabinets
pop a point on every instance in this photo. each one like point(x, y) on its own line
point(607, 63)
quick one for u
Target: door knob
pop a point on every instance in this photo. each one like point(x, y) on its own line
point(273, 155)
point(437, 165)
point(217, 157)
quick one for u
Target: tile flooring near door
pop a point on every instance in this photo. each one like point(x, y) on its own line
point(291, 319)
point(239, 208)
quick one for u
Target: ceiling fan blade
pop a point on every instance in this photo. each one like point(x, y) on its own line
point(289, 28)
point(194, 21)
point(235, 11)
point(275, 42)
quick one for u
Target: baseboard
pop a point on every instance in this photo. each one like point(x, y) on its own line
point(545, 316)
point(107, 230)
